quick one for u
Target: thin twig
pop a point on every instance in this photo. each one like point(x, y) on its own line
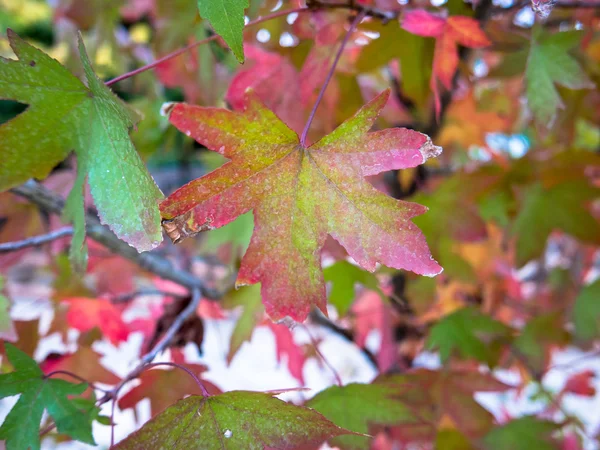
point(319, 319)
point(36, 240)
point(355, 22)
point(150, 261)
point(75, 376)
point(148, 357)
point(198, 43)
point(315, 345)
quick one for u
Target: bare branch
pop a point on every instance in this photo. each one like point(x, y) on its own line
point(128, 296)
point(36, 240)
point(368, 11)
point(149, 261)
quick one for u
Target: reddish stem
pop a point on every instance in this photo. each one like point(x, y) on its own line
point(198, 43)
point(205, 393)
point(75, 376)
point(360, 16)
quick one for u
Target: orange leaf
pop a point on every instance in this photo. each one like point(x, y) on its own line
point(467, 32)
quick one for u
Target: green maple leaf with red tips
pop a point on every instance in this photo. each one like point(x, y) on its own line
point(300, 195)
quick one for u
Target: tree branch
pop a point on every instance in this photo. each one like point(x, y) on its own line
point(152, 262)
point(368, 11)
point(36, 240)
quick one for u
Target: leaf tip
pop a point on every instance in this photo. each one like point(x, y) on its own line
point(429, 150)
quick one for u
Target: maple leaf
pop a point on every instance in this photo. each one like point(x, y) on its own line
point(358, 407)
point(524, 433)
point(373, 312)
point(20, 429)
point(299, 196)
point(586, 312)
point(285, 345)
point(538, 338)
point(87, 313)
point(581, 384)
point(249, 298)
point(549, 62)
point(85, 362)
point(174, 385)
point(236, 419)
point(276, 82)
point(469, 333)
point(433, 396)
point(534, 223)
point(449, 33)
point(65, 114)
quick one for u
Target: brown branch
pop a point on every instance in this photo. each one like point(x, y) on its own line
point(152, 262)
point(36, 240)
point(368, 11)
point(128, 296)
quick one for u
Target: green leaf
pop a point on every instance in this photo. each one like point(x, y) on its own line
point(65, 114)
point(451, 439)
point(227, 18)
point(586, 312)
point(415, 57)
point(20, 429)
point(356, 407)
point(249, 297)
point(74, 212)
point(559, 207)
point(535, 340)
point(343, 277)
point(236, 233)
point(234, 420)
point(549, 62)
point(525, 433)
point(6, 326)
point(470, 334)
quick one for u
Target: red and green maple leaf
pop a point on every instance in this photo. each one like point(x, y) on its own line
point(300, 195)
point(448, 34)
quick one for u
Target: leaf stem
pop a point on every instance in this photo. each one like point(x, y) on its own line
point(205, 392)
point(201, 42)
point(359, 17)
point(75, 376)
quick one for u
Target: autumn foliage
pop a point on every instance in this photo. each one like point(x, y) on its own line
point(408, 190)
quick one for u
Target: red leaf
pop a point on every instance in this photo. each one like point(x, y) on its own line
point(581, 384)
point(299, 196)
point(449, 33)
point(275, 81)
point(284, 340)
point(422, 23)
point(467, 32)
point(373, 314)
point(87, 313)
point(445, 59)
